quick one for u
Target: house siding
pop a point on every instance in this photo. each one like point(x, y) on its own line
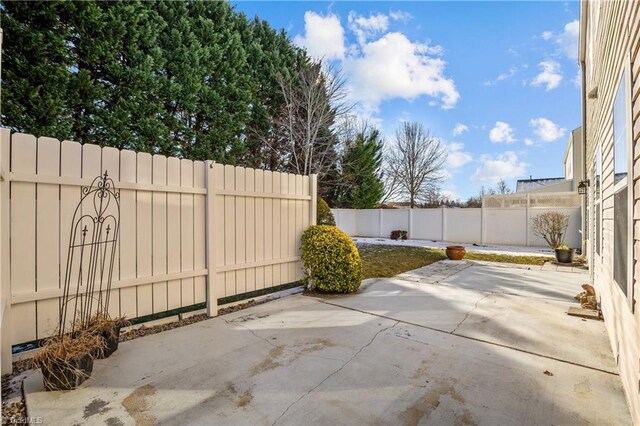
point(611, 39)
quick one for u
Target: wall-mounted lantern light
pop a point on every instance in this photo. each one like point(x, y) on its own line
point(583, 186)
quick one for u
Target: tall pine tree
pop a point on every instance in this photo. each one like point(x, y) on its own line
point(360, 181)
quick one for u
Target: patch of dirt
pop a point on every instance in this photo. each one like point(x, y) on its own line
point(114, 421)
point(137, 403)
point(146, 331)
point(97, 406)
point(313, 345)
point(583, 388)
point(269, 362)
point(426, 405)
point(245, 399)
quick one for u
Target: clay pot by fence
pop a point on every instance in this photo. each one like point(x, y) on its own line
point(456, 252)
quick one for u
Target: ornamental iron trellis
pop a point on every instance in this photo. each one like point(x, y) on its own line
point(91, 255)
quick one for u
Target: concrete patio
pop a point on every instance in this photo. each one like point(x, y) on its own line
point(451, 343)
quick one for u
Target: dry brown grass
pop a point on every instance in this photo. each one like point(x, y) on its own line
point(383, 261)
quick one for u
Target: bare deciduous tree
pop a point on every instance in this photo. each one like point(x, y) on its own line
point(502, 188)
point(315, 100)
point(414, 164)
point(551, 227)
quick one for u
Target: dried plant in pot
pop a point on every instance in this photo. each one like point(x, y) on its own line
point(398, 235)
point(564, 254)
point(67, 361)
point(108, 329)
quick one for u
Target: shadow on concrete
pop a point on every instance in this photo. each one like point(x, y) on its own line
point(398, 352)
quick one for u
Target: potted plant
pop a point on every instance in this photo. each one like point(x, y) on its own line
point(108, 329)
point(398, 235)
point(551, 227)
point(67, 361)
point(564, 254)
point(456, 252)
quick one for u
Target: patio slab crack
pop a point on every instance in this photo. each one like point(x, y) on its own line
point(475, 306)
point(336, 371)
point(437, 330)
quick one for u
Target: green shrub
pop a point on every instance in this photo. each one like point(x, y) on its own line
point(325, 217)
point(331, 260)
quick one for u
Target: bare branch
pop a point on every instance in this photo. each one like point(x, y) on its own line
point(414, 164)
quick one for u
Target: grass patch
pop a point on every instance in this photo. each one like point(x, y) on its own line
point(507, 258)
point(384, 261)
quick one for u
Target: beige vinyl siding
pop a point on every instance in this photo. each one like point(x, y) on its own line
point(613, 35)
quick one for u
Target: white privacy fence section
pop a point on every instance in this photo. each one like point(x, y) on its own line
point(500, 226)
point(190, 231)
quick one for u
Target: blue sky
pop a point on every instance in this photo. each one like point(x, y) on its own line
point(497, 81)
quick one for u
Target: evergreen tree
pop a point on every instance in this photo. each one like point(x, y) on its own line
point(360, 182)
point(193, 79)
point(35, 68)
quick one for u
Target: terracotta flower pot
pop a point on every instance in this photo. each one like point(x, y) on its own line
point(456, 252)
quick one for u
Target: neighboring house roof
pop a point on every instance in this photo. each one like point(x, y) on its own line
point(526, 185)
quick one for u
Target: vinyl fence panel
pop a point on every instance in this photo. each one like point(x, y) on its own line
point(190, 232)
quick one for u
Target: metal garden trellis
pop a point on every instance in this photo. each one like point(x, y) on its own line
point(91, 254)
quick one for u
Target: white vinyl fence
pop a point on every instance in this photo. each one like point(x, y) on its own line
point(486, 225)
point(190, 231)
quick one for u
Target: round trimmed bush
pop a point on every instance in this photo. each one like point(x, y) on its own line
point(325, 217)
point(332, 263)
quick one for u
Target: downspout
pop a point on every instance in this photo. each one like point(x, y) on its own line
point(584, 7)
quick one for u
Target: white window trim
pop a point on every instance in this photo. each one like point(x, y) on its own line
point(626, 72)
point(597, 204)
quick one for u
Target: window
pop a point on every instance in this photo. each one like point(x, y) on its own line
point(620, 198)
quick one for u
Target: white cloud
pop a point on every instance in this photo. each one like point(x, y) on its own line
point(324, 36)
point(547, 35)
point(504, 76)
point(546, 130)
point(502, 133)
point(551, 75)
point(365, 28)
point(568, 40)
point(508, 74)
point(460, 129)
point(450, 195)
point(502, 166)
point(529, 142)
point(395, 67)
point(398, 15)
point(456, 157)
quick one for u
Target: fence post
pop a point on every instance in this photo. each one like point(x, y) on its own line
point(313, 191)
point(482, 225)
point(380, 224)
point(410, 230)
point(444, 223)
point(526, 225)
point(210, 242)
point(5, 283)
